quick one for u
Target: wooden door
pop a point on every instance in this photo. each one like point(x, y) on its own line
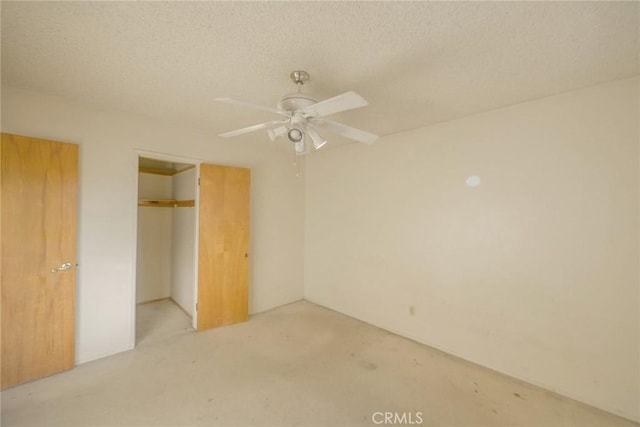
point(38, 234)
point(223, 248)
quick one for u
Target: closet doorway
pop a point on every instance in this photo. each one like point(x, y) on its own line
point(192, 258)
point(166, 273)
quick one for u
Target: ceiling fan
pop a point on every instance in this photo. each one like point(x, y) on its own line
point(304, 116)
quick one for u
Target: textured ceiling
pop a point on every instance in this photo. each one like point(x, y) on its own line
point(417, 63)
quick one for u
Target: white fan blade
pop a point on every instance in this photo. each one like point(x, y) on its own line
point(266, 125)
point(344, 130)
point(346, 101)
point(254, 106)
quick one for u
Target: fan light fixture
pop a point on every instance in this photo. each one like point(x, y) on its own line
point(299, 147)
point(301, 114)
point(275, 133)
point(295, 135)
point(318, 141)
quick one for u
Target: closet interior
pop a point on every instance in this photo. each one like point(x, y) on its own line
point(166, 251)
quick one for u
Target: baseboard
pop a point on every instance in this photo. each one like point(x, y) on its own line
point(181, 308)
point(527, 381)
point(153, 300)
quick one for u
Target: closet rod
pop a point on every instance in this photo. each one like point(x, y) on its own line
point(166, 203)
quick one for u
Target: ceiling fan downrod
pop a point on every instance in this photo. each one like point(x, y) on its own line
point(299, 77)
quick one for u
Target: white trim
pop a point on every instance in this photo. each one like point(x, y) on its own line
point(134, 254)
point(166, 157)
point(194, 317)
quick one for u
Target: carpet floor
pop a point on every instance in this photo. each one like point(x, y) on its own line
point(296, 365)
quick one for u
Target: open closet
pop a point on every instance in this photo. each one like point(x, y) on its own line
point(192, 260)
point(166, 276)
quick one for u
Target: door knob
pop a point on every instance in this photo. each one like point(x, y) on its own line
point(63, 267)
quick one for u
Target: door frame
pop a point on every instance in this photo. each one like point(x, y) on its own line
point(137, 153)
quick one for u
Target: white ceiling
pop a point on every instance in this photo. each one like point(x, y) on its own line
point(417, 63)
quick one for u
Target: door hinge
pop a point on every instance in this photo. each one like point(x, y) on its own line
point(198, 181)
point(196, 306)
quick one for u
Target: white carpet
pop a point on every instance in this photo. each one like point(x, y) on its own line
point(297, 365)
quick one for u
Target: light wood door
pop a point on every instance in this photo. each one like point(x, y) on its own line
point(223, 248)
point(38, 234)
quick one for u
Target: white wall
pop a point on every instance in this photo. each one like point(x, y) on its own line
point(153, 272)
point(183, 253)
point(107, 207)
point(534, 273)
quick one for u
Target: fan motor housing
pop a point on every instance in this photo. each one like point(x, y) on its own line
point(295, 102)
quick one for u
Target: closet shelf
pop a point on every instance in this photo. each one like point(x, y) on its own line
point(161, 171)
point(166, 203)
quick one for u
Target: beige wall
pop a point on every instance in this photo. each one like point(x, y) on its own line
point(107, 206)
point(533, 273)
point(153, 272)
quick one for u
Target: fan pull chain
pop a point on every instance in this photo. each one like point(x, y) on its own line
point(297, 163)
